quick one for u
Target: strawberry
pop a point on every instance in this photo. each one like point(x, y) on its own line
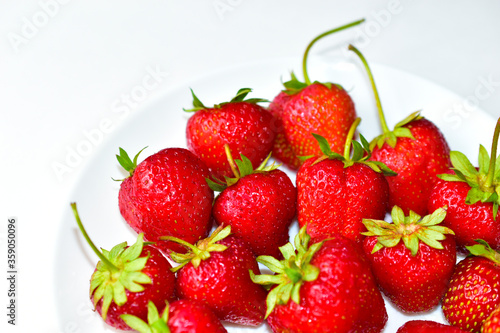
point(323, 108)
point(472, 197)
point(259, 204)
point(215, 272)
point(427, 326)
point(243, 124)
point(325, 286)
point(413, 274)
point(474, 289)
point(127, 278)
point(492, 323)
point(336, 192)
point(182, 316)
point(166, 194)
point(415, 149)
point(282, 150)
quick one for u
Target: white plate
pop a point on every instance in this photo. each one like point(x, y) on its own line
point(161, 123)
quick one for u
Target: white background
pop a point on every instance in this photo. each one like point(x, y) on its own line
point(65, 67)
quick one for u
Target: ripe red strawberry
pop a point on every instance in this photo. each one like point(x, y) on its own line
point(322, 287)
point(426, 326)
point(415, 149)
point(492, 323)
point(472, 197)
point(282, 150)
point(474, 290)
point(215, 272)
point(166, 194)
point(311, 107)
point(244, 125)
point(336, 192)
point(182, 316)
point(259, 205)
point(413, 274)
point(127, 278)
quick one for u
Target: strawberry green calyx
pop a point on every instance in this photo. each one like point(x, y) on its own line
point(483, 249)
point(240, 97)
point(294, 86)
point(399, 131)
point(411, 229)
point(126, 162)
point(291, 272)
point(200, 251)
point(155, 324)
point(360, 152)
point(240, 169)
point(118, 270)
point(485, 182)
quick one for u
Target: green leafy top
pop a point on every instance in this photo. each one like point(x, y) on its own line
point(485, 182)
point(291, 272)
point(240, 97)
point(411, 229)
point(155, 324)
point(118, 270)
point(360, 152)
point(240, 168)
point(294, 85)
point(200, 251)
point(483, 249)
point(127, 163)
point(399, 130)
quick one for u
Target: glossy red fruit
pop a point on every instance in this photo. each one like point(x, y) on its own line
point(474, 290)
point(322, 287)
point(311, 107)
point(126, 279)
point(247, 127)
point(427, 326)
point(167, 194)
point(182, 316)
point(492, 323)
point(216, 272)
point(415, 149)
point(282, 150)
point(471, 195)
point(259, 205)
point(412, 258)
point(336, 192)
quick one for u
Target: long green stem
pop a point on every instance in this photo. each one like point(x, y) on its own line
point(89, 241)
point(329, 32)
point(350, 136)
point(385, 128)
point(493, 159)
point(231, 162)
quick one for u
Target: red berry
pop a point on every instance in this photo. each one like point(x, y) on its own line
point(245, 126)
point(474, 289)
point(167, 195)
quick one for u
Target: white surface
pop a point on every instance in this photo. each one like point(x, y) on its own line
point(68, 74)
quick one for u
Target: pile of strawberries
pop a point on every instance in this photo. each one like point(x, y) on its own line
point(181, 275)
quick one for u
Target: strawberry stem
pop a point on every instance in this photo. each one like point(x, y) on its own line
point(230, 159)
point(383, 122)
point(350, 136)
point(493, 159)
point(104, 260)
point(306, 53)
